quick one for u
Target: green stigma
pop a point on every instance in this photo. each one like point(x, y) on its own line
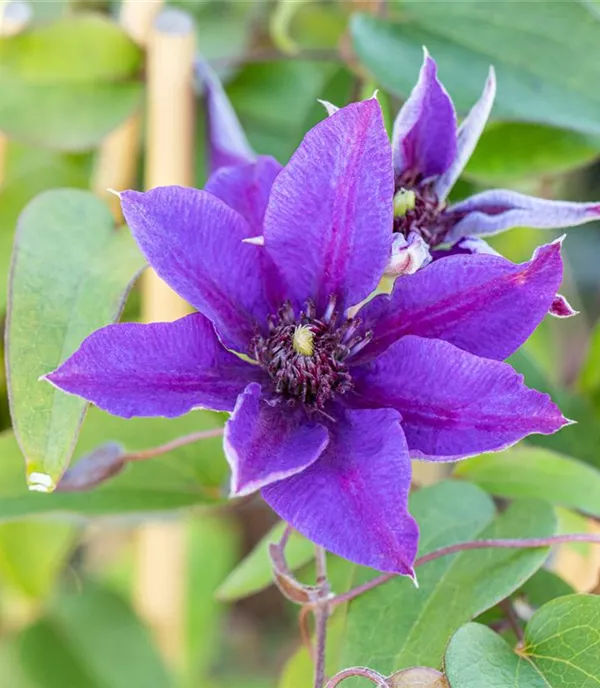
point(404, 202)
point(303, 340)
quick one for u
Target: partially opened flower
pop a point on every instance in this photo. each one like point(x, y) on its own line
point(430, 152)
point(326, 408)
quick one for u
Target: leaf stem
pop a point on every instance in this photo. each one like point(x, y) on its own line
point(379, 680)
point(511, 616)
point(144, 454)
point(463, 546)
point(321, 611)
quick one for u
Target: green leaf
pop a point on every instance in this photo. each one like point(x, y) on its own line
point(544, 586)
point(254, 574)
point(396, 626)
point(28, 173)
point(42, 70)
point(524, 471)
point(33, 554)
point(589, 376)
point(560, 650)
point(508, 152)
point(91, 639)
point(526, 42)
point(53, 51)
point(476, 656)
point(71, 271)
point(181, 478)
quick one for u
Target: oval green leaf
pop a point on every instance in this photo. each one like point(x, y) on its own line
point(254, 572)
point(80, 71)
point(413, 626)
point(532, 471)
point(526, 42)
point(561, 649)
point(71, 272)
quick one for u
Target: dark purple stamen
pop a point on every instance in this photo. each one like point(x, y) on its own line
point(312, 379)
point(426, 218)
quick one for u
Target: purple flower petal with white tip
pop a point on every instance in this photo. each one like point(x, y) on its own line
point(424, 136)
point(328, 226)
point(265, 443)
point(227, 142)
point(485, 407)
point(494, 211)
point(483, 304)
point(353, 500)
point(468, 135)
point(561, 308)
point(195, 243)
point(160, 369)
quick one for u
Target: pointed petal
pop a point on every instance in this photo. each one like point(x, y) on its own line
point(195, 243)
point(469, 133)
point(329, 107)
point(408, 255)
point(328, 226)
point(467, 246)
point(227, 142)
point(424, 136)
point(454, 404)
point(561, 308)
point(483, 304)
point(497, 210)
point(266, 443)
point(161, 369)
point(246, 188)
point(353, 500)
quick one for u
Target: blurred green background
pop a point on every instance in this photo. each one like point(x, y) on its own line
point(78, 596)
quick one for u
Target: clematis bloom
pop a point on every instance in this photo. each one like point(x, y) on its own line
point(430, 152)
point(328, 405)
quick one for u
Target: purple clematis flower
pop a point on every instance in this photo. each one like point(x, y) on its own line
point(328, 404)
point(430, 152)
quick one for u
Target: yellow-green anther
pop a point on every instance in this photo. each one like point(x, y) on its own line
point(303, 340)
point(404, 201)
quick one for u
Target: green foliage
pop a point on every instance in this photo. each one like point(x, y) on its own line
point(90, 639)
point(535, 472)
point(52, 311)
point(42, 70)
point(560, 650)
point(526, 42)
point(254, 573)
point(395, 626)
point(184, 477)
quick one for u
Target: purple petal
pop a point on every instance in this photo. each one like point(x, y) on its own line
point(353, 500)
point(328, 226)
point(227, 142)
point(195, 243)
point(161, 369)
point(469, 133)
point(561, 308)
point(265, 443)
point(494, 211)
point(246, 189)
point(424, 137)
point(454, 404)
point(467, 246)
point(483, 304)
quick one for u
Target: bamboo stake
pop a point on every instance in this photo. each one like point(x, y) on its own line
point(161, 553)
point(137, 18)
point(14, 18)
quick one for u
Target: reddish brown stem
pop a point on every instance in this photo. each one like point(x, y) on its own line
point(144, 454)
point(463, 546)
point(379, 680)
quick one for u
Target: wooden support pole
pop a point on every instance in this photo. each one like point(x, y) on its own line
point(15, 15)
point(161, 551)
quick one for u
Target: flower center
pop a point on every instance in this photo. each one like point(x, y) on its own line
point(418, 209)
point(306, 356)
